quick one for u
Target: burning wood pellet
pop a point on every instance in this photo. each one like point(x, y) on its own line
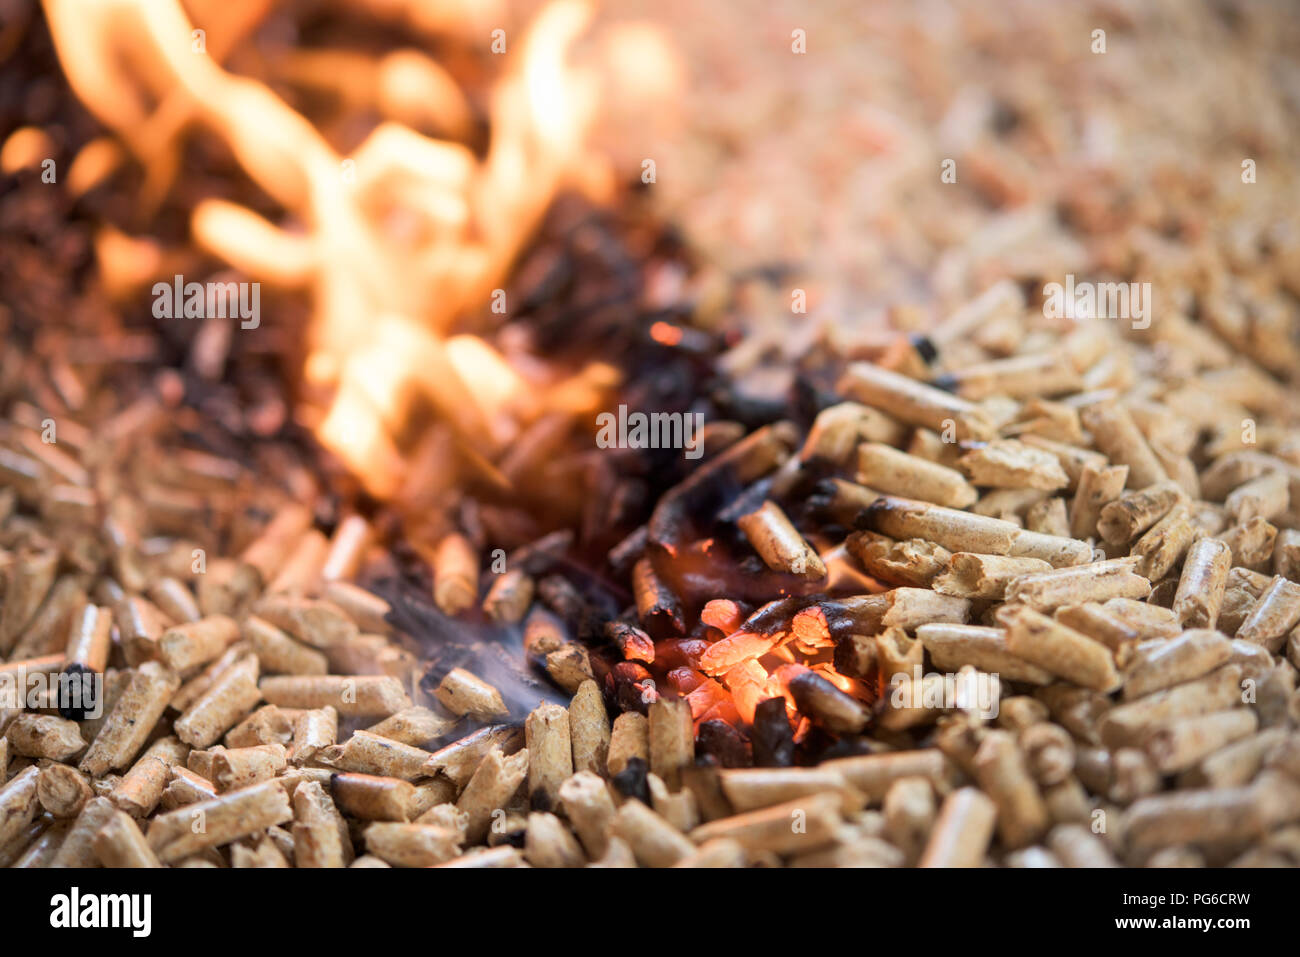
point(779, 543)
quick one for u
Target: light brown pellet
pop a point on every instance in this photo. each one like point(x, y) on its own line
point(1182, 742)
point(90, 639)
point(629, 738)
point(235, 768)
point(1165, 543)
point(349, 695)
point(550, 750)
point(174, 836)
point(142, 786)
point(1003, 774)
point(1277, 612)
point(493, 784)
point(971, 575)
point(872, 774)
point(1098, 486)
point(897, 473)
point(175, 599)
point(963, 831)
point(1048, 517)
point(132, 719)
point(653, 841)
point(1127, 723)
point(951, 647)
point(913, 402)
point(1128, 516)
point(508, 599)
point(230, 697)
point(412, 845)
point(368, 753)
point(1162, 664)
point(373, 797)
point(1006, 463)
point(589, 729)
point(313, 730)
point(455, 574)
point(1098, 581)
point(779, 543)
point(319, 833)
point(1059, 649)
point(1114, 432)
point(278, 653)
point(44, 736)
point(192, 643)
point(62, 790)
point(548, 843)
point(414, 726)
point(1202, 583)
point(464, 693)
point(1195, 817)
point(671, 739)
point(457, 761)
point(909, 815)
point(120, 843)
point(19, 804)
point(1265, 497)
point(267, 725)
point(590, 809)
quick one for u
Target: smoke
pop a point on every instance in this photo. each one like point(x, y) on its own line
point(493, 652)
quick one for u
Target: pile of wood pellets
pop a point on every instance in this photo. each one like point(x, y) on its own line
point(991, 587)
point(1114, 554)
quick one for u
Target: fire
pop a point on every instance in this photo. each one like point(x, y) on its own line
point(393, 241)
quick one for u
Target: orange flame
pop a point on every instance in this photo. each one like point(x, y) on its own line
point(393, 241)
